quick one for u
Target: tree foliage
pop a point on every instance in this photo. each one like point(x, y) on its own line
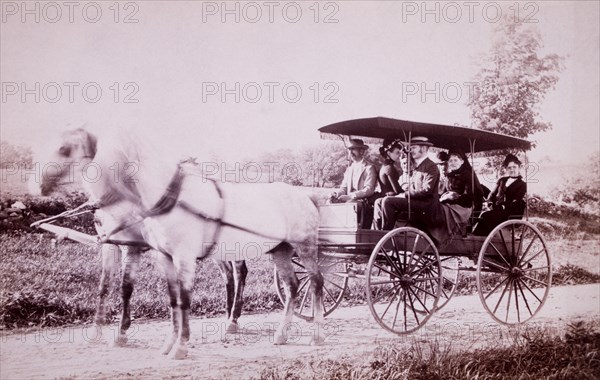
point(11, 155)
point(512, 81)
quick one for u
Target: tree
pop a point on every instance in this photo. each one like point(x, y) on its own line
point(512, 81)
point(15, 155)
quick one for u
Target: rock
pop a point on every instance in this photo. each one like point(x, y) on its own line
point(13, 209)
point(19, 205)
point(14, 215)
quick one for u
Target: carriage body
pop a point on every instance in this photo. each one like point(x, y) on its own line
point(407, 276)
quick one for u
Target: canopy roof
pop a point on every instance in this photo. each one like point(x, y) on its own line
point(442, 136)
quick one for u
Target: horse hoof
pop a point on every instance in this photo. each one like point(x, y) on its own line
point(318, 341)
point(120, 341)
point(179, 353)
point(280, 340)
point(166, 348)
point(232, 328)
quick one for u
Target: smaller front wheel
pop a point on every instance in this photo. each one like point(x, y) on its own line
point(404, 280)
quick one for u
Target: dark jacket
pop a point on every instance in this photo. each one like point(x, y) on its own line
point(388, 179)
point(510, 199)
point(469, 189)
point(425, 180)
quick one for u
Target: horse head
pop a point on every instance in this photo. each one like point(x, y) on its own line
point(76, 149)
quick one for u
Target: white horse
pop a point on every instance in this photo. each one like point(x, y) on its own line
point(184, 215)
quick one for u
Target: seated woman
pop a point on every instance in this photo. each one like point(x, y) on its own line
point(456, 203)
point(507, 198)
point(390, 172)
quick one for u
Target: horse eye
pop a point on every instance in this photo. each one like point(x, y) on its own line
point(64, 151)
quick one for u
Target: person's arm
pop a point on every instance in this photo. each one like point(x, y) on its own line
point(465, 199)
point(393, 177)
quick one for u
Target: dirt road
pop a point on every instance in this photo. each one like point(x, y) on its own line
point(84, 352)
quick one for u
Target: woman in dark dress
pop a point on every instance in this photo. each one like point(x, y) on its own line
point(507, 198)
point(456, 203)
point(389, 174)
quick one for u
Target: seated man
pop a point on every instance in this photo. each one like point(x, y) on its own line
point(360, 180)
point(423, 191)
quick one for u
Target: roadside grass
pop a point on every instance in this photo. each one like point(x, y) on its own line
point(533, 354)
point(44, 286)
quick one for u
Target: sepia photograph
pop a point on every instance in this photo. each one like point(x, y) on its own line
point(304, 189)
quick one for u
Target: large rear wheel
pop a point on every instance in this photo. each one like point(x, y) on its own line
point(404, 280)
point(514, 273)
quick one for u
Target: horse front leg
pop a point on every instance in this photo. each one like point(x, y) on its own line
point(240, 273)
point(131, 264)
point(111, 257)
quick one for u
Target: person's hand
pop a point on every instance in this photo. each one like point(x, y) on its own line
point(449, 196)
point(333, 196)
point(344, 198)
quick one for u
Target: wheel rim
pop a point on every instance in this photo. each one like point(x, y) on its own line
point(403, 280)
point(335, 282)
point(514, 272)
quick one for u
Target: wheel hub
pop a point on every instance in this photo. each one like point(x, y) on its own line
point(406, 280)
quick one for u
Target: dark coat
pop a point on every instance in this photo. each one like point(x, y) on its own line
point(461, 181)
point(509, 199)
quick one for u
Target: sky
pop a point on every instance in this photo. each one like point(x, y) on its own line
point(235, 79)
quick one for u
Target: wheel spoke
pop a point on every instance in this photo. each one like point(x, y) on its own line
point(388, 306)
point(537, 268)
point(328, 292)
point(532, 292)
point(385, 282)
point(535, 280)
point(334, 284)
point(390, 261)
point(412, 307)
point(422, 279)
point(425, 291)
point(414, 250)
point(495, 264)
point(517, 302)
point(396, 313)
point(499, 254)
point(496, 288)
point(502, 295)
point(385, 270)
point(385, 293)
point(303, 302)
point(524, 298)
point(509, 298)
point(528, 247)
point(534, 256)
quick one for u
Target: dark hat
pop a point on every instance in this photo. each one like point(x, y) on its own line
point(420, 140)
point(357, 144)
point(389, 144)
point(511, 158)
point(443, 157)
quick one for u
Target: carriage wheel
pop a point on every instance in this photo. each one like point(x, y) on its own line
point(514, 272)
point(335, 278)
point(404, 280)
point(450, 273)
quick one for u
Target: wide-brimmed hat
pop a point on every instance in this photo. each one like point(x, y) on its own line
point(443, 158)
point(357, 144)
point(420, 140)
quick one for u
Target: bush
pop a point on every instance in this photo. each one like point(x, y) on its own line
point(38, 208)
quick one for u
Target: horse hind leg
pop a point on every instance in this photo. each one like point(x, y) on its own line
point(282, 257)
point(173, 289)
point(308, 256)
point(130, 265)
point(111, 257)
point(227, 272)
point(185, 277)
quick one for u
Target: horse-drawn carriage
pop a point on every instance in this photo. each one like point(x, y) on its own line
point(407, 276)
point(181, 213)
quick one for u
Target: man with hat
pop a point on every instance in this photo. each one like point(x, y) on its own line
point(422, 193)
point(360, 180)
